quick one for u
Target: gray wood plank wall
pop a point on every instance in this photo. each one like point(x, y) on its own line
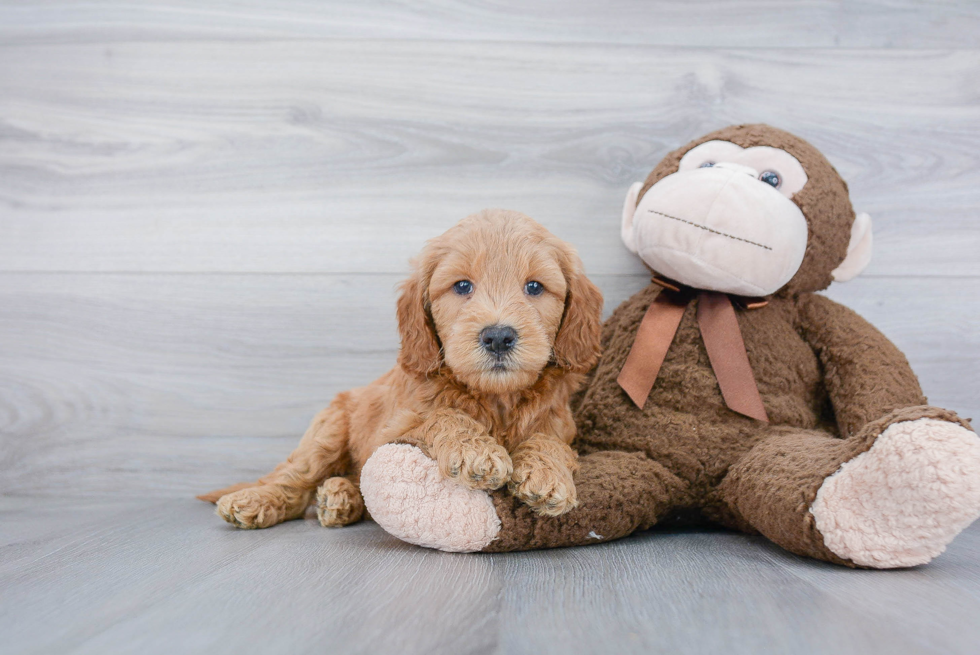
point(205, 207)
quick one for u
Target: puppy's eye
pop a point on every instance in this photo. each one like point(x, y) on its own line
point(463, 288)
point(771, 178)
point(534, 288)
point(707, 164)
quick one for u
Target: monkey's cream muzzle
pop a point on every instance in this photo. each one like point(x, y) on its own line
point(718, 228)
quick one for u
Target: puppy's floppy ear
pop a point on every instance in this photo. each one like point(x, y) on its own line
point(420, 352)
point(577, 344)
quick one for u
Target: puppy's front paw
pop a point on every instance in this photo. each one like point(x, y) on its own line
point(543, 483)
point(251, 508)
point(476, 462)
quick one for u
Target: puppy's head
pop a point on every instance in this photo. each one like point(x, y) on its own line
point(496, 299)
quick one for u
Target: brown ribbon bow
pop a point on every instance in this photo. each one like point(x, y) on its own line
point(722, 339)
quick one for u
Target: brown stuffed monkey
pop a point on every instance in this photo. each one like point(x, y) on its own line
point(730, 388)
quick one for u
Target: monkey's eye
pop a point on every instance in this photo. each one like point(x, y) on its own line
point(534, 288)
point(771, 178)
point(463, 288)
point(707, 164)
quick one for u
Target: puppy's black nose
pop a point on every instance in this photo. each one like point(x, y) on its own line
point(498, 339)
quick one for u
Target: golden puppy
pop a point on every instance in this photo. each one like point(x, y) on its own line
point(498, 326)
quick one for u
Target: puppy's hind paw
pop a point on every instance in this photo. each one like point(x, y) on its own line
point(338, 503)
point(248, 509)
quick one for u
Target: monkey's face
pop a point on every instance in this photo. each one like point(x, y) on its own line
point(724, 221)
point(750, 210)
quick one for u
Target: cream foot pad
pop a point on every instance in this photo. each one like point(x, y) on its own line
point(902, 501)
point(408, 497)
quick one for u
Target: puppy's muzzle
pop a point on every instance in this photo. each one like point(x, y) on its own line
point(498, 340)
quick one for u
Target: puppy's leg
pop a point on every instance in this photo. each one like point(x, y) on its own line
point(338, 503)
point(464, 449)
point(542, 478)
point(285, 493)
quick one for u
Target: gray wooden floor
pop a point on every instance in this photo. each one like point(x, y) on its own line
point(205, 207)
point(163, 576)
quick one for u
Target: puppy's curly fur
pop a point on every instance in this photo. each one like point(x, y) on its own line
point(488, 418)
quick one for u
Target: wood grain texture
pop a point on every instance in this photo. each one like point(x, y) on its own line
point(299, 156)
point(169, 576)
point(683, 23)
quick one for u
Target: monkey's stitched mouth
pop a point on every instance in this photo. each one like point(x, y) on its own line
point(708, 229)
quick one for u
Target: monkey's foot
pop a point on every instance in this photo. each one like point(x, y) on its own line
point(410, 499)
point(901, 502)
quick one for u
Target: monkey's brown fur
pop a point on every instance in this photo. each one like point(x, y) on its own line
point(830, 382)
point(485, 426)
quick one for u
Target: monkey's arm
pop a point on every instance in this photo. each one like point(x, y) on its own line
point(867, 376)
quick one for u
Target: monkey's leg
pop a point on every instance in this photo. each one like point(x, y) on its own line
point(618, 493)
point(891, 496)
point(285, 493)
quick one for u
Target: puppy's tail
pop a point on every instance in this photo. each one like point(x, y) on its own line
point(322, 452)
point(213, 496)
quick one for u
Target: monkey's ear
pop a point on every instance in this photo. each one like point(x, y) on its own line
point(420, 353)
point(858, 250)
point(629, 208)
